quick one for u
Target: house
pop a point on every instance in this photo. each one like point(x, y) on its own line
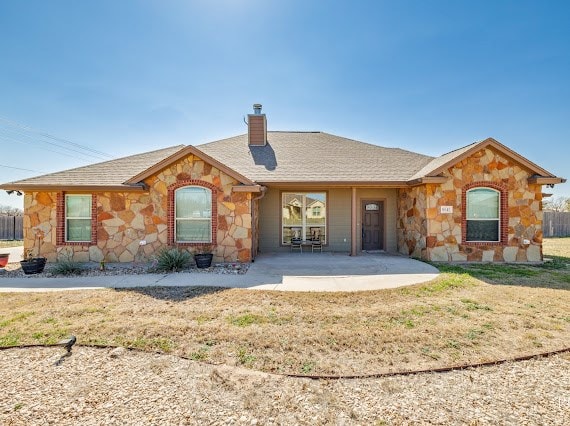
point(254, 192)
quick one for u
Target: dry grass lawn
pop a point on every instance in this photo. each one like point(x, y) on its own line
point(468, 314)
point(12, 243)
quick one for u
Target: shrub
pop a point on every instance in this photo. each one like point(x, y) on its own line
point(172, 260)
point(67, 267)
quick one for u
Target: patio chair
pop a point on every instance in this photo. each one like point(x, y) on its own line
point(297, 244)
point(316, 241)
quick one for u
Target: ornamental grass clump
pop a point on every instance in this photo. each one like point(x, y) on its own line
point(172, 260)
point(67, 267)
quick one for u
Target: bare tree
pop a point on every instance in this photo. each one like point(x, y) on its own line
point(558, 204)
point(10, 211)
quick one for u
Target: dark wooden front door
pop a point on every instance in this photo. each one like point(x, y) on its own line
point(372, 225)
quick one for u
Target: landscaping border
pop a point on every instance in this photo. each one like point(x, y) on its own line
point(332, 376)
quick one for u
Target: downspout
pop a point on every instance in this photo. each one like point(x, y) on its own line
point(253, 224)
point(353, 223)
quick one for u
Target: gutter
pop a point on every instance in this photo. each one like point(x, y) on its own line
point(74, 188)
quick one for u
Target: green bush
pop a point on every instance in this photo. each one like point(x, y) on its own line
point(173, 260)
point(67, 267)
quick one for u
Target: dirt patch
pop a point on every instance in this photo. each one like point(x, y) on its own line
point(94, 387)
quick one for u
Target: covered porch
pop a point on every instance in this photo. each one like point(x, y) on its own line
point(346, 219)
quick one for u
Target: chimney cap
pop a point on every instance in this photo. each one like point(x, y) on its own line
point(257, 108)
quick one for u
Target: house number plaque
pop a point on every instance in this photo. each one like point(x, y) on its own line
point(446, 209)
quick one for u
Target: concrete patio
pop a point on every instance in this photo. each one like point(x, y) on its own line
point(270, 271)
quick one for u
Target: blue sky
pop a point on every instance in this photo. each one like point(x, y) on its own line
point(124, 77)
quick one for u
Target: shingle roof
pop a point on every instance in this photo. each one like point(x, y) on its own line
point(302, 157)
point(315, 157)
point(108, 173)
point(437, 162)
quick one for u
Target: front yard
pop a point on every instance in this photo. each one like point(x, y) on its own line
point(469, 314)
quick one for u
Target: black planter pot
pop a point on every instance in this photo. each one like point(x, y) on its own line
point(203, 260)
point(33, 266)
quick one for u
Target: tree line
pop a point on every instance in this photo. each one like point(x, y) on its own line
point(10, 211)
point(557, 204)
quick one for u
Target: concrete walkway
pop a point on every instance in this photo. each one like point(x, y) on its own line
point(283, 272)
point(16, 253)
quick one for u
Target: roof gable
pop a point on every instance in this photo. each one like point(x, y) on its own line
point(439, 164)
point(184, 152)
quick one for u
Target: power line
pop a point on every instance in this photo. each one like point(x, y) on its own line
point(26, 142)
point(16, 134)
point(20, 168)
point(58, 141)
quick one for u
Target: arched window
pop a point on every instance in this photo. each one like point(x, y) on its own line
point(193, 215)
point(483, 223)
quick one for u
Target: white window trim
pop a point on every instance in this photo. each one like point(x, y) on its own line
point(176, 219)
point(304, 225)
point(498, 219)
point(66, 218)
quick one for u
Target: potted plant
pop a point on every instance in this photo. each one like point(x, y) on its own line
point(4, 259)
point(34, 265)
point(203, 256)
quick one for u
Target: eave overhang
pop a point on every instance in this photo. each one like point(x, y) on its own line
point(546, 180)
point(427, 179)
point(358, 184)
point(248, 188)
point(333, 184)
point(73, 188)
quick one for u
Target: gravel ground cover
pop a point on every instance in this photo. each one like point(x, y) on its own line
point(118, 386)
point(92, 269)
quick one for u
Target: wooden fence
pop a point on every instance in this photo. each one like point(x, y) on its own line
point(11, 227)
point(556, 224)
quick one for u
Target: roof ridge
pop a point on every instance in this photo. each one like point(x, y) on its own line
point(379, 146)
point(463, 147)
point(295, 131)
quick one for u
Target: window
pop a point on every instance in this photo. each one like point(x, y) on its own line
point(483, 215)
point(303, 216)
point(78, 218)
point(193, 215)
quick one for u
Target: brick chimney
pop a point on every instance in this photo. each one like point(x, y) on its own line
point(256, 127)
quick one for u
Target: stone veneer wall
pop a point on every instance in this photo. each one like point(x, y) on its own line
point(40, 214)
point(412, 222)
point(444, 236)
point(124, 219)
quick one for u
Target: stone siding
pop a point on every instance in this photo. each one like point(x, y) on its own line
point(412, 223)
point(445, 234)
point(40, 215)
point(124, 219)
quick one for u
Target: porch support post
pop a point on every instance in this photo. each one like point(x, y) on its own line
point(353, 225)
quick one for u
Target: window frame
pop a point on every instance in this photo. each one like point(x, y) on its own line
point(170, 214)
point(503, 191)
point(305, 225)
point(497, 219)
point(190, 219)
point(63, 228)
